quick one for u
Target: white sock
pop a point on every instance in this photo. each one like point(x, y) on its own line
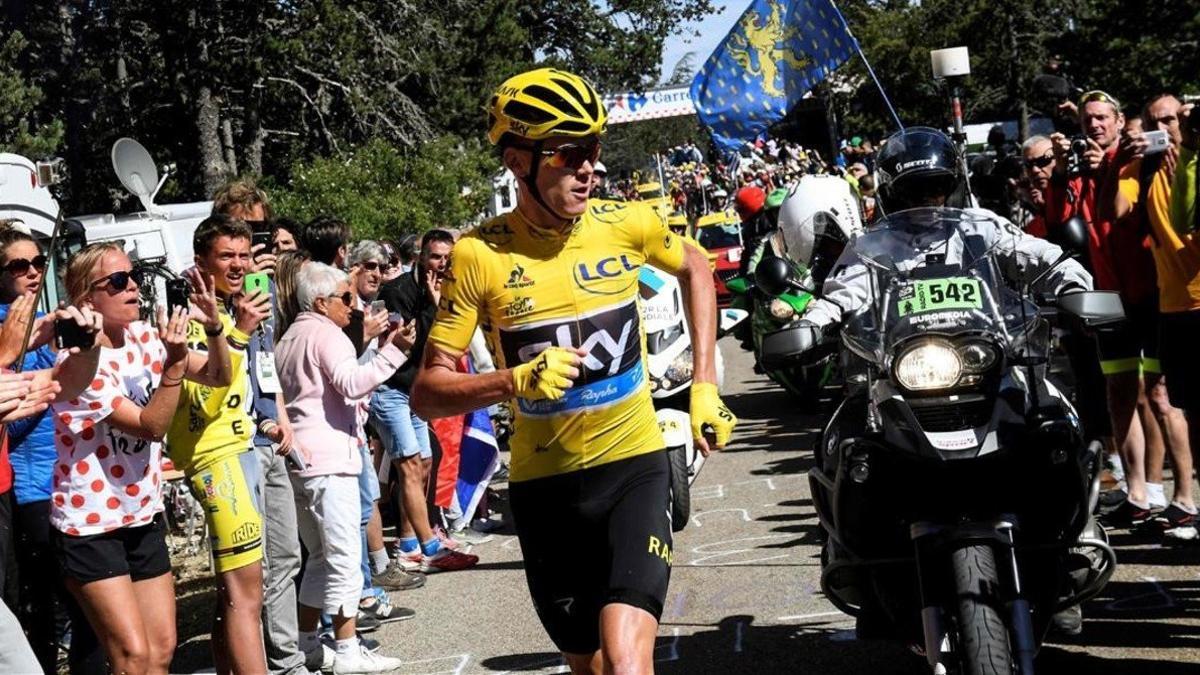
point(347, 646)
point(1191, 510)
point(1155, 494)
point(309, 640)
point(379, 561)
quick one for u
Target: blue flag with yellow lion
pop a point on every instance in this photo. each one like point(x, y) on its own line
point(775, 54)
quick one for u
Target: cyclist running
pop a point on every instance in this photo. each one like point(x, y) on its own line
point(553, 285)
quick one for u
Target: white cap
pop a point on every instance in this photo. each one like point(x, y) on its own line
point(599, 168)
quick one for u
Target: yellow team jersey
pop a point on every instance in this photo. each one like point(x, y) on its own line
point(211, 423)
point(529, 289)
point(1176, 258)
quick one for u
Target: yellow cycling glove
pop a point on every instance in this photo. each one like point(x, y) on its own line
point(547, 376)
point(709, 410)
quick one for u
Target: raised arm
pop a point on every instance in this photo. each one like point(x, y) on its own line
point(151, 421)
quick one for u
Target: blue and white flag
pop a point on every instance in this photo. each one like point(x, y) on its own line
point(774, 55)
point(479, 457)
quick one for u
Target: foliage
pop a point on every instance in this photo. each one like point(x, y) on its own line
point(384, 192)
point(19, 99)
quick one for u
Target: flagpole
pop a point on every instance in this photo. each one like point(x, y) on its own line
point(870, 70)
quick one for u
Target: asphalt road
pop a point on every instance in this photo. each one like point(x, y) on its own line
point(744, 594)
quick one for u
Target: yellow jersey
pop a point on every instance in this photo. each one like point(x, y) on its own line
point(530, 288)
point(212, 423)
point(1176, 257)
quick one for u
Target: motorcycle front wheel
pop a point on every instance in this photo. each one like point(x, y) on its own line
point(983, 642)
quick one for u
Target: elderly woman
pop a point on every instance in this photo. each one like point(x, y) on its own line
point(320, 372)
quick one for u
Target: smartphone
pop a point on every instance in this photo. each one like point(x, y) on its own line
point(178, 291)
point(377, 306)
point(296, 459)
point(258, 281)
point(1157, 141)
point(68, 334)
point(263, 238)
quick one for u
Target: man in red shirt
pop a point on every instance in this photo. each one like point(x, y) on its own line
point(1120, 260)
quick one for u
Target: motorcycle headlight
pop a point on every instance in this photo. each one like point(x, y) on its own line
point(929, 364)
point(680, 370)
point(781, 310)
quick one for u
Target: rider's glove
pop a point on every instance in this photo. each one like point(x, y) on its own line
point(709, 410)
point(547, 376)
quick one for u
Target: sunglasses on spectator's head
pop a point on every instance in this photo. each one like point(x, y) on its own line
point(19, 266)
point(347, 298)
point(1040, 162)
point(572, 155)
point(1095, 96)
point(119, 281)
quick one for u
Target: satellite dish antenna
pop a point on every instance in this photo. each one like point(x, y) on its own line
point(136, 171)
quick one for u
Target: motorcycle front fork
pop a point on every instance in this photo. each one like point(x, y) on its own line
point(933, 544)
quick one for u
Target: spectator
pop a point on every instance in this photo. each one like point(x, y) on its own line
point(405, 437)
point(319, 371)
point(244, 200)
point(31, 452)
point(1142, 202)
point(1120, 261)
point(327, 240)
point(1181, 251)
point(106, 500)
point(368, 262)
point(272, 440)
point(1038, 153)
point(211, 440)
point(287, 303)
point(283, 235)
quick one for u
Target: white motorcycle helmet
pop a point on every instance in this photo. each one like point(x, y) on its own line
point(817, 218)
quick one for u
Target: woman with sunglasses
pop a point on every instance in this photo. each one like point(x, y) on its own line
point(31, 450)
point(106, 492)
point(321, 376)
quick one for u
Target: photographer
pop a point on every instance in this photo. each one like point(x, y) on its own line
point(1085, 170)
point(1141, 204)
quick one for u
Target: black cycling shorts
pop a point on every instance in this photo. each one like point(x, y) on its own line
point(593, 537)
point(141, 552)
point(1131, 346)
point(1181, 360)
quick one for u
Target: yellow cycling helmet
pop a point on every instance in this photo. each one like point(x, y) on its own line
point(543, 103)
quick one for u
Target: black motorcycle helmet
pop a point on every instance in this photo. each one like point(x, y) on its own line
point(917, 166)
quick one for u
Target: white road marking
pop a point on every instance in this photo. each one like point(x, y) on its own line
point(706, 554)
point(696, 517)
point(817, 615)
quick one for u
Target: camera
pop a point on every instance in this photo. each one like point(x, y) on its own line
point(1079, 146)
point(51, 172)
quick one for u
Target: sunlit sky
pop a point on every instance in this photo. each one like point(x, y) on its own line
point(712, 30)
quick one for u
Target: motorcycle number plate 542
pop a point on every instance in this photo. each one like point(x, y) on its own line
point(928, 295)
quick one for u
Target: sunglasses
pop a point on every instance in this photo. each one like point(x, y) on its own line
point(371, 266)
point(19, 266)
point(347, 298)
point(119, 281)
point(1098, 96)
point(1040, 162)
point(572, 155)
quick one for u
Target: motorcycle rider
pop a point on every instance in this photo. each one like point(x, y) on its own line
point(920, 167)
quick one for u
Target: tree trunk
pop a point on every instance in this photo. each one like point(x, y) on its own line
point(227, 143)
point(208, 125)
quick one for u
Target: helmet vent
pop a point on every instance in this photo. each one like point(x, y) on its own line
point(553, 98)
point(526, 113)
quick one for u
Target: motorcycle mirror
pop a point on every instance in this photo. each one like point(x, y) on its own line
point(773, 276)
point(1073, 235)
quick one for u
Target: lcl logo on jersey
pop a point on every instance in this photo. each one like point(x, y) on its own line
point(588, 275)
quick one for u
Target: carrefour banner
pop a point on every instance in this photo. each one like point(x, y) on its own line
point(633, 107)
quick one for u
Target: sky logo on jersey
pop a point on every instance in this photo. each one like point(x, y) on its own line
point(612, 369)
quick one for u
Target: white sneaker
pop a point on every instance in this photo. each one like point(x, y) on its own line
point(319, 659)
point(360, 660)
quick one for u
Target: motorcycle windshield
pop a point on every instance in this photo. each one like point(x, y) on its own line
point(937, 270)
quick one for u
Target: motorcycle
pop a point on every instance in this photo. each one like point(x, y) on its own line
point(953, 485)
point(819, 215)
point(669, 349)
point(768, 313)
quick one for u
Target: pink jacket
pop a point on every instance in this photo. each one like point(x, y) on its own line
point(319, 372)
